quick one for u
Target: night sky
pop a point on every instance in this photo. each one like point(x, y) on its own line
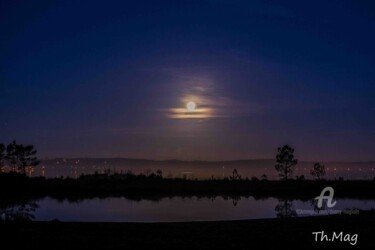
point(113, 78)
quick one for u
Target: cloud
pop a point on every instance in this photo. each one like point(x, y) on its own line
point(211, 99)
point(213, 106)
point(184, 113)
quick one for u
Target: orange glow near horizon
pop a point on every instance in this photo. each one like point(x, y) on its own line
point(184, 113)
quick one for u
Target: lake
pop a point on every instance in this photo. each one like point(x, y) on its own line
point(176, 209)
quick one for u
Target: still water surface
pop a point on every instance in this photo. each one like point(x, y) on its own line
point(175, 209)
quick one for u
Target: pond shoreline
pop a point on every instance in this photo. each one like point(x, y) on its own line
point(141, 186)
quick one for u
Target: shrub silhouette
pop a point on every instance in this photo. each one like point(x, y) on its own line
point(235, 175)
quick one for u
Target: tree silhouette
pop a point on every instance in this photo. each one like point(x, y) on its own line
point(285, 161)
point(20, 156)
point(318, 171)
point(2, 156)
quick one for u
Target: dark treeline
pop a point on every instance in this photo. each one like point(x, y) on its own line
point(129, 184)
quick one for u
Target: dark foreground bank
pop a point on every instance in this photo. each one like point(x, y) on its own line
point(295, 233)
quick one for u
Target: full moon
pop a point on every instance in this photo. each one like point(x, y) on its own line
point(191, 106)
